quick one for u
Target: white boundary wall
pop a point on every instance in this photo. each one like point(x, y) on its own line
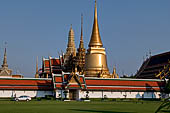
point(17, 93)
point(111, 94)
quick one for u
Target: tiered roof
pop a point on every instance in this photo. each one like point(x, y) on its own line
point(51, 65)
point(153, 65)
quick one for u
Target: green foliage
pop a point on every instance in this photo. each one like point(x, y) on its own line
point(167, 87)
point(49, 97)
point(164, 107)
point(38, 98)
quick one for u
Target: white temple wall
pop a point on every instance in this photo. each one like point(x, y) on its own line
point(80, 94)
point(17, 93)
point(111, 94)
point(60, 94)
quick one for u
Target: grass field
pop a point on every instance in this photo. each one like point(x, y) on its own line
point(46, 106)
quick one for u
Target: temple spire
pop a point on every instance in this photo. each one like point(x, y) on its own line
point(95, 59)
point(71, 43)
point(37, 74)
point(95, 36)
point(81, 37)
point(5, 65)
point(37, 66)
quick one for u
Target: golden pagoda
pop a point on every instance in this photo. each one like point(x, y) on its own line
point(95, 60)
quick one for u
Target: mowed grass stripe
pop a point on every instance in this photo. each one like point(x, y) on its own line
point(77, 107)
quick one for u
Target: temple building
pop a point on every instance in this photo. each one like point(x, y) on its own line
point(80, 75)
point(4, 71)
point(152, 66)
point(92, 63)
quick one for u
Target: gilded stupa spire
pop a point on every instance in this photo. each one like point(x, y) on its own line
point(95, 36)
point(5, 65)
point(95, 59)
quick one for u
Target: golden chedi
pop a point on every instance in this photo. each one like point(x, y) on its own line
point(95, 60)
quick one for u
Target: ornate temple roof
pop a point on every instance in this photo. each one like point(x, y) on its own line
point(153, 65)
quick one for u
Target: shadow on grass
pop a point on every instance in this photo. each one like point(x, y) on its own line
point(99, 111)
point(165, 111)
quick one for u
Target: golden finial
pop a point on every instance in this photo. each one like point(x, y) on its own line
point(37, 66)
point(81, 27)
point(95, 37)
point(95, 9)
point(71, 26)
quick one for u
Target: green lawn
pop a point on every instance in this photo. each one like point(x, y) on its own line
point(77, 107)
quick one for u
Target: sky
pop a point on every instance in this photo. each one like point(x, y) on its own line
point(129, 29)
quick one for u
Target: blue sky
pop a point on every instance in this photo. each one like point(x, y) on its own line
point(128, 28)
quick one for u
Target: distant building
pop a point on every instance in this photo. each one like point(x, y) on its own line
point(153, 65)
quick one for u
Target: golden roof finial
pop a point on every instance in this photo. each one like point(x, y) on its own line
point(81, 27)
point(95, 10)
point(95, 37)
point(37, 66)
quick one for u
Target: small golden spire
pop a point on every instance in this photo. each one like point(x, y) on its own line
point(37, 66)
point(36, 74)
point(81, 27)
point(5, 65)
point(114, 74)
point(81, 45)
point(95, 37)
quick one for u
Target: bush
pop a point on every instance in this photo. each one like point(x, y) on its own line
point(49, 97)
point(38, 98)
